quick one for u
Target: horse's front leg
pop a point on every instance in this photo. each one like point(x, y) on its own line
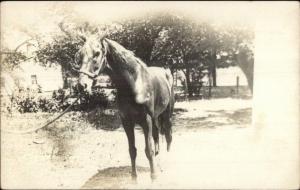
point(147, 128)
point(129, 129)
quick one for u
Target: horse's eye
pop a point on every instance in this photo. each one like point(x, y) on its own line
point(97, 54)
point(96, 67)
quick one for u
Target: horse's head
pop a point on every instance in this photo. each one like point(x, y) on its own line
point(90, 61)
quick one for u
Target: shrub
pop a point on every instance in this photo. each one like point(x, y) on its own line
point(33, 102)
point(87, 101)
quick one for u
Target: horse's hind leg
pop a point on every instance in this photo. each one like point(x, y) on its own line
point(146, 124)
point(129, 129)
point(155, 134)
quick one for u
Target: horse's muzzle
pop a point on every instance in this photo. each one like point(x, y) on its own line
point(85, 83)
point(80, 87)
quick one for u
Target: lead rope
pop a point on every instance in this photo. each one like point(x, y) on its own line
point(45, 125)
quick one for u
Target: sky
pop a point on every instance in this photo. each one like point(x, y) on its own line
point(42, 17)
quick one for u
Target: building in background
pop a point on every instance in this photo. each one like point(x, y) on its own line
point(31, 76)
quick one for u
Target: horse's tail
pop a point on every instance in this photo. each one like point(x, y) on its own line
point(170, 79)
point(165, 118)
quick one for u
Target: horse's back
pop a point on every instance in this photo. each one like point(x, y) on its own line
point(162, 74)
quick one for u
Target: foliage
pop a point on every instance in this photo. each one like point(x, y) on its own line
point(97, 99)
point(28, 101)
point(12, 59)
point(139, 34)
point(197, 48)
point(161, 39)
point(62, 49)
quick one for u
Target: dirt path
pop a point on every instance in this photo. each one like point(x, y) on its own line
point(209, 137)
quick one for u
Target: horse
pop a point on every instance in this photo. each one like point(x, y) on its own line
point(145, 94)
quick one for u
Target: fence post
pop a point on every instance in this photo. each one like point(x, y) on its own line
point(237, 84)
point(209, 85)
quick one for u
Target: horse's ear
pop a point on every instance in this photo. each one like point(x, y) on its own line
point(82, 38)
point(81, 35)
point(102, 33)
point(105, 45)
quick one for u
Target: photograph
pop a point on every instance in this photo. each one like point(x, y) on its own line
point(150, 95)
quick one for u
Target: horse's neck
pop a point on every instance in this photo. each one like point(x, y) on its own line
point(120, 71)
point(129, 74)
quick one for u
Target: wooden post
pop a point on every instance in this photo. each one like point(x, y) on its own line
point(209, 85)
point(237, 85)
point(175, 77)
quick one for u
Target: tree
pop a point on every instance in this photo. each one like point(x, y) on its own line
point(159, 40)
point(61, 51)
point(245, 60)
point(138, 35)
point(183, 44)
point(236, 49)
point(11, 58)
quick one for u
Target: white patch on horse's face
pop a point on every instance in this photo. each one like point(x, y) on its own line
point(91, 55)
point(86, 82)
point(91, 58)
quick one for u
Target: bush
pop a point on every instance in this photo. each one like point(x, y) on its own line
point(98, 99)
point(28, 101)
point(32, 102)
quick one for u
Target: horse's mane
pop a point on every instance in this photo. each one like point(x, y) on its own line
point(134, 65)
point(126, 56)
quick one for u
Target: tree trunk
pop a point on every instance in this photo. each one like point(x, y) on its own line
point(64, 77)
point(246, 64)
point(214, 68)
point(209, 85)
point(188, 82)
point(214, 74)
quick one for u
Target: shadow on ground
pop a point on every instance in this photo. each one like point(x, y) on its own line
point(108, 120)
point(113, 178)
point(239, 116)
point(219, 118)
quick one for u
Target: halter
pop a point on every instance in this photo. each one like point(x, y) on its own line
point(94, 75)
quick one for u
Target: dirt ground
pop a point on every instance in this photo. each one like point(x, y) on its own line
point(210, 142)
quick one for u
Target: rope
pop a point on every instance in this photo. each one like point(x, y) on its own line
point(43, 126)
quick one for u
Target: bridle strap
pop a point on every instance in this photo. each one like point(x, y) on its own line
point(89, 74)
point(94, 75)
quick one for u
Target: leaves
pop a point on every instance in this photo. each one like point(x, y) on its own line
point(12, 59)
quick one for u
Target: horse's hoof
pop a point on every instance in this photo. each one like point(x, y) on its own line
point(133, 176)
point(153, 177)
point(168, 147)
